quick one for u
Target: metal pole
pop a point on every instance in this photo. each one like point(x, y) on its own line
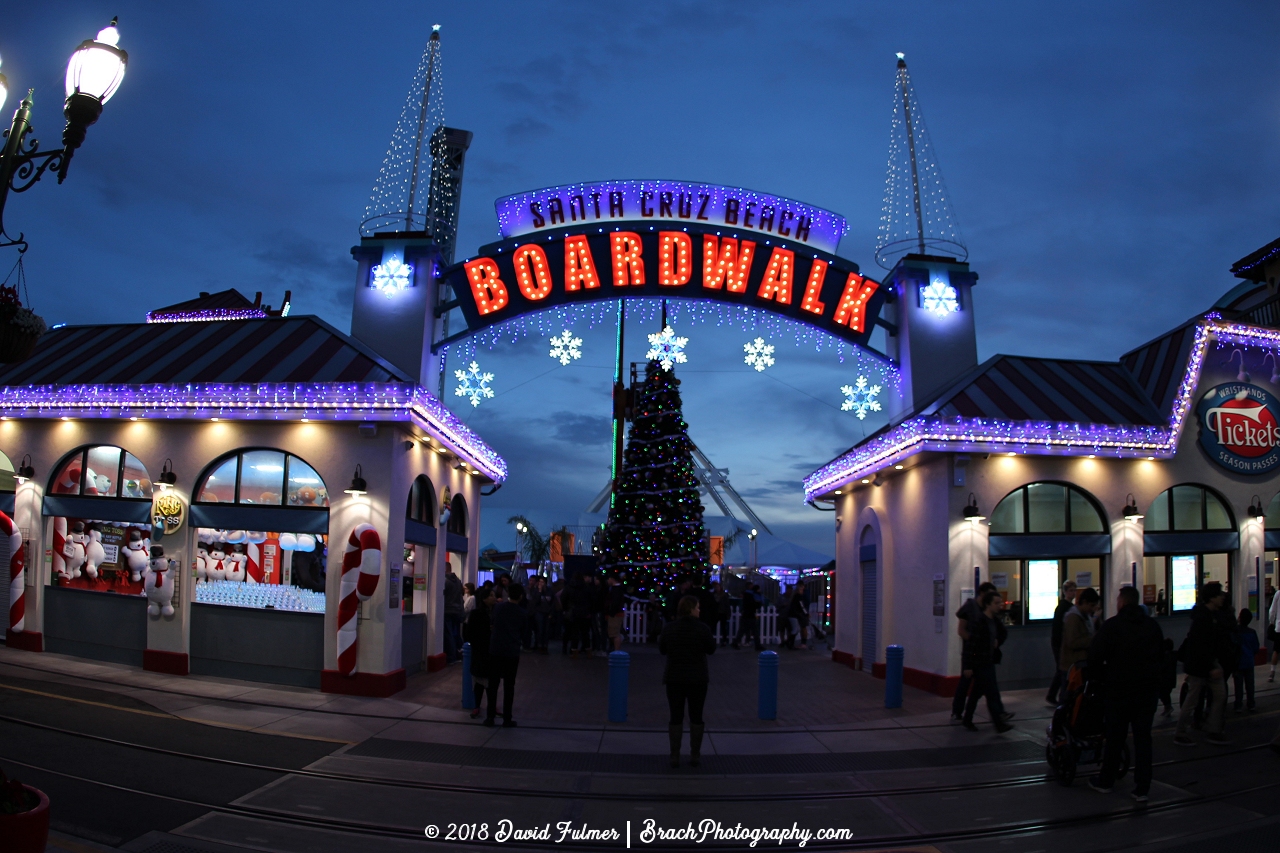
point(12, 147)
point(619, 400)
point(911, 149)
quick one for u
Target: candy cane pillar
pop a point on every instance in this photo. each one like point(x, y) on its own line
point(361, 568)
point(17, 575)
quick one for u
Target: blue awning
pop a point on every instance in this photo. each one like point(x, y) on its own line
point(419, 532)
point(130, 510)
point(282, 519)
point(1048, 546)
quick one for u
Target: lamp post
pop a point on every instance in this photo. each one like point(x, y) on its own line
point(751, 537)
point(94, 73)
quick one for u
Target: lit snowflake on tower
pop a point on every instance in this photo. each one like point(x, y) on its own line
point(759, 354)
point(474, 384)
point(939, 298)
point(860, 398)
point(391, 277)
point(667, 348)
point(565, 347)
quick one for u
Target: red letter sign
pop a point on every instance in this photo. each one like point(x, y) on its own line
point(675, 259)
point(535, 284)
point(726, 266)
point(776, 283)
point(628, 263)
point(812, 290)
point(486, 285)
point(852, 310)
point(579, 268)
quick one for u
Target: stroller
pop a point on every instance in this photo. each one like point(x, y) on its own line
point(1075, 733)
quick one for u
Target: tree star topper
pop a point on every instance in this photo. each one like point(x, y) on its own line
point(565, 347)
point(667, 348)
point(391, 277)
point(473, 384)
point(859, 398)
point(758, 354)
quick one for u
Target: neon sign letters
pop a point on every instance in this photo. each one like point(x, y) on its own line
point(693, 262)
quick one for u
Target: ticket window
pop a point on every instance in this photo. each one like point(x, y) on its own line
point(1007, 577)
point(1035, 586)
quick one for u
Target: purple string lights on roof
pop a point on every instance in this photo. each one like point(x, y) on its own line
point(319, 401)
point(951, 435)
point(205, 315)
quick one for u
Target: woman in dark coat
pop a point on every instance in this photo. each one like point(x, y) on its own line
point(686, 641)
point(476, 631)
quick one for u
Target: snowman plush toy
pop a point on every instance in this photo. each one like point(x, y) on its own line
point(135, 554)
point(215, 565)
point(158, 584)
point(73, 549)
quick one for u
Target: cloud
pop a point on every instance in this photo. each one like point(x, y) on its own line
point(575, 428)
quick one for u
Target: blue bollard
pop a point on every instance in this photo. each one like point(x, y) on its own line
point(893, 656)
point(619, 669)
point(767, 706)
point(468, 692)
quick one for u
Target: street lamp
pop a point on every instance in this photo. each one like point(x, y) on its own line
point(751, 537)
point(94, 73)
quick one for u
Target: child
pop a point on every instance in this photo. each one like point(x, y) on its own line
point(1243, 676)
point(1168, 676)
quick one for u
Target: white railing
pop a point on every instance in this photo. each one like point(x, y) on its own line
point(635, 625)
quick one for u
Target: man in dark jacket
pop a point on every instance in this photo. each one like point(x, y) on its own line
point(965, 615)
point(1127, 654)
point(748, 624)
point(1065, 602)
point(979, 663)
point(453, 614)
point(1203, 654)
point(504, 653)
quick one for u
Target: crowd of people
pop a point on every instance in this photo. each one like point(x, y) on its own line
point(500, 619)
point(1130, 666)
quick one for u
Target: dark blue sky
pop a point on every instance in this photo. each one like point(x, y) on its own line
point(1106, 163)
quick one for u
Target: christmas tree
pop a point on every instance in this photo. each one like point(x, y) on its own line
point(655, 531)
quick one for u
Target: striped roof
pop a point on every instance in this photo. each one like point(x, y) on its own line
point(1158, 366)
point(292, 349)
point(1046, 389)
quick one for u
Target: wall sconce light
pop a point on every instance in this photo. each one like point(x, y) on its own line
point(1255, 509)
point(168, 479)
point(358, 485)
point(25, 471)
point(971, 511)
point(753, 534)
point(1131, 510)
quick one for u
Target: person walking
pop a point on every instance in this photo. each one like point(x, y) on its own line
point(1127, 655)
point(504, 654)
point(968, 612)
point(1201, 655)
point(798, 616)
point(1078, 630)
point(478, 631)
point(980, 665)
point(1243, 676)
point(686, 642)
point(724, 611)
point(748, 621)
point(453, 614)
point(468, 600)
point(1066, 601)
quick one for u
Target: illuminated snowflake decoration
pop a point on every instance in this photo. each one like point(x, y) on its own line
point(473, 384)
point(667, 348)
point(565, 347)
point(758, 354)
point(392, 277)
point(939, 298)
point(860, 398)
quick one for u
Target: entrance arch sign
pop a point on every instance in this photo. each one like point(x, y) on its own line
point(667, 239)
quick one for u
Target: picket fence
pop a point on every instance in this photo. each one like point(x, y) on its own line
point(635, 625)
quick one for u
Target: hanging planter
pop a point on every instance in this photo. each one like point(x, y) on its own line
point(24, 817)
point(20, 327)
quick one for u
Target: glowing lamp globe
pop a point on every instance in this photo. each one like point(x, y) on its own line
point(96, 68)
point(4, 89)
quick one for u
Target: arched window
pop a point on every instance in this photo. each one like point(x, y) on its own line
point(422, 501)
point(1189, 533)
point(1047, 508)
point(458, 516)
point(1188, 508)
point(1043, 534)
point(262, 477)
point(101, 471)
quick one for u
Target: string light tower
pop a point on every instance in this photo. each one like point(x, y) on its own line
point(402, 199)
point(916, 216)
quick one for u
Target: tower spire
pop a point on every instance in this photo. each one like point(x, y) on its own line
point(402, 199)
point(916, 215)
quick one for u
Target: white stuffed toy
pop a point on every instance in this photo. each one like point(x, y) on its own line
point(217, 567)
point(94, 554)
point(306, 542)
point(237, 564)
point(202, 563)
point(158, 584)
point(135, 554)
point(288, 541)
point(73, 551)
